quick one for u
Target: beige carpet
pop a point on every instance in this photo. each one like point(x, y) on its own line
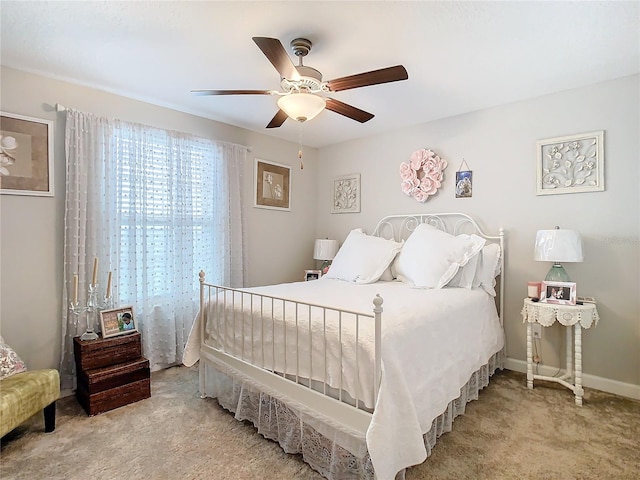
point(509, 433)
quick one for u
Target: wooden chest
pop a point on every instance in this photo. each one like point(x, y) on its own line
point(111, 373)
point(98, 353)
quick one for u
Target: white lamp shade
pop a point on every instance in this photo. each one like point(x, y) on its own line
point(558, 246)
point(325, 249)
point(301, 106)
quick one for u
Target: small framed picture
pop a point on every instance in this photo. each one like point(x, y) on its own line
point(118, 321)
point(312, 275)
point(562, 293)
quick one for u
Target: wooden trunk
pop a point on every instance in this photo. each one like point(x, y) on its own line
point(111, 373)
point(98, 353)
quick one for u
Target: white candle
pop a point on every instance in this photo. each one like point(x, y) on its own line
point(75, 288)
point(108, 295)
point(94, 279)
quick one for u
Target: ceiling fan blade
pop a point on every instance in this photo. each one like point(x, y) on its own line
point(278, 120)
point(231, 92)
point(375, 77)
point(277, 55)
point(348, 111)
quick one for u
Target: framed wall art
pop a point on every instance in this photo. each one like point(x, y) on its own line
point(26, 155)
point(570, 164)
point(464, 181)
point(346, 194)
point(118, 321)
point(272, 185)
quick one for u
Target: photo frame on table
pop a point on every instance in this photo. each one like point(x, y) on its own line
point(312, 275)
point(346, 194)
point(272, 184)
point(26, 155)
point(118, 321)
point(560, 293)
point(570, 164)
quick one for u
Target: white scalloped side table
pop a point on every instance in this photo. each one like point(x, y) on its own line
point(576, 316)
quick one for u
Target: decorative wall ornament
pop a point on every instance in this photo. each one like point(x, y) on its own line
point(464, 181)
point(346, 194)
point(571, 164)
point(26, 155)
point(272, 184)
point(422, 175)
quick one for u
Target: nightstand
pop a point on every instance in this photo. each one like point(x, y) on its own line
point(576, 316)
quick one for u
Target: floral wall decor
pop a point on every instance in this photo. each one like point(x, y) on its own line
point(571, 164)
point(346, 194)
point(422, 174)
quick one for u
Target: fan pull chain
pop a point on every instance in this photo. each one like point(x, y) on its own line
point(300, 143)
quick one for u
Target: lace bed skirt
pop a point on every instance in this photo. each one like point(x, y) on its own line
point(329, 451)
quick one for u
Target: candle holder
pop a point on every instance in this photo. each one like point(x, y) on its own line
point(91, 310)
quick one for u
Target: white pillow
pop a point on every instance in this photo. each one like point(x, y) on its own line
point(488, 269)
point(430, 257)
point(363, 258)
point(387, 276)
point(467, 274)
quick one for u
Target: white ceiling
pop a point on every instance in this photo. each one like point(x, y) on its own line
point(460, 56)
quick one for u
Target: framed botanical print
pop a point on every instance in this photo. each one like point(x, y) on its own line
point(26, 155)
point(272, 183)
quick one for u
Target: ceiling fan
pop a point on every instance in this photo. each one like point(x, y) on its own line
point(302, 90)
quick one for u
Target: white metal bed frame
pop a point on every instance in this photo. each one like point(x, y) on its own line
point(338, 410)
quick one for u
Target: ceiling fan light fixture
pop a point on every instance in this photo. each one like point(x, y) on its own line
point(301, 106)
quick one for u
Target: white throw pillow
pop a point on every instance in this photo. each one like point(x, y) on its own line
point(430, 257)
point(465, 276)
point(488, 269)
point(363, 258)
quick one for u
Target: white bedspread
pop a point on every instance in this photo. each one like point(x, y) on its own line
point(432, 341)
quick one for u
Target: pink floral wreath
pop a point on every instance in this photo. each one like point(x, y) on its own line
point(422, 175)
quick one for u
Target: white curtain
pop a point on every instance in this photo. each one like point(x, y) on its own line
point(155, 207)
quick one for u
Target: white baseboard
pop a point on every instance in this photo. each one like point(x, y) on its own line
point(591, 381)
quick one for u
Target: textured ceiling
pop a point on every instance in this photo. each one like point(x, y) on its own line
point(460, 56)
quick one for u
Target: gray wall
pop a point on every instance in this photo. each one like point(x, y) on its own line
point(499, 144)
point(279, 244)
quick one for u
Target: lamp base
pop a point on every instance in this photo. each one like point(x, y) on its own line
point(325, 266)
point(557, 273)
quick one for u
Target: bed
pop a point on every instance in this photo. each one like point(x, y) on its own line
point(362, 370)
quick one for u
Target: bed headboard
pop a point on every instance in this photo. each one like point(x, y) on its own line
point(399, 227)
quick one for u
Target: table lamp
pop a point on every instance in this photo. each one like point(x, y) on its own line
point(325, 250)
point(558, 245)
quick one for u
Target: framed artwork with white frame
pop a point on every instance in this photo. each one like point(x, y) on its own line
point(26, 155)
point(272, 185)
point(570, 164)
point(560, 293)
point(346, 194)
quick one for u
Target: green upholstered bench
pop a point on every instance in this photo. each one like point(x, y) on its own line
point(25, 394)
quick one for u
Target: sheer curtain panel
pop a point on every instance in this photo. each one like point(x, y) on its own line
point(155, 207)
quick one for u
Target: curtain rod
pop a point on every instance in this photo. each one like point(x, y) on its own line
point(62, 108)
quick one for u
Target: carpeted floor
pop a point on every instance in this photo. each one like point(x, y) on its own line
point(509, 433)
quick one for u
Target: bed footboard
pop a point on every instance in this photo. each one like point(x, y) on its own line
point(321, 359)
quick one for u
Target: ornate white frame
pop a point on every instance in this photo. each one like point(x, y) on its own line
point(346, 194)
point(570, 164)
